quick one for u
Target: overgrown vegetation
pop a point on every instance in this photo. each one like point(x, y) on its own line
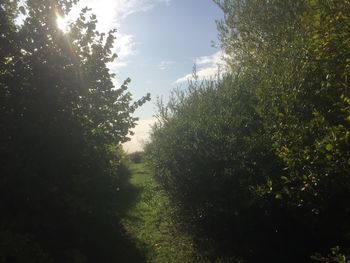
point(61, 123)
point(258, 160)
point(250, 167)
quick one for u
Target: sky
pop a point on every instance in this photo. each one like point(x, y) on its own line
point(158, 42)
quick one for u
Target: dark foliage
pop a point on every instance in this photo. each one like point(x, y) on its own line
point(61, 122)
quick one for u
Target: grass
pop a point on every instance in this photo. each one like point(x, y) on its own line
point(151, 222)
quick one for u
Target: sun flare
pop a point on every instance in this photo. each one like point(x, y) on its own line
point(62, 23)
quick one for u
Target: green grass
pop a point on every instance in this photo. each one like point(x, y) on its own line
point(151, 224)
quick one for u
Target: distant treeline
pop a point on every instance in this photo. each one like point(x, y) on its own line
point(258, 160)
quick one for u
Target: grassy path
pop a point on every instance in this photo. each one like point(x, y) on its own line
point(150, 223)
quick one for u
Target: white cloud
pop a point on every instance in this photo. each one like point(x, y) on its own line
point(128, 7)
point(207, 67)
point(116, 65)
point(142, 132)
point(124, 48)
point(163, 65)
point(109, 14)
point(125, 45)
point(205, 60)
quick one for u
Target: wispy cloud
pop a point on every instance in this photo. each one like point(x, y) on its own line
point(124, 48)
point(125, 45)
point(163, 65)
point(142, 131)
point(207, 67)
point(109, 14)
point(128, 7)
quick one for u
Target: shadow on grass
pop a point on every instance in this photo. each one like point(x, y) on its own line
point(128, 249)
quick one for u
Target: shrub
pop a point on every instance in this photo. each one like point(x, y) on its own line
point(211, 153)
point(258, 161)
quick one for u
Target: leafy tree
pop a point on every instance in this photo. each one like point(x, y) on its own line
point(61, 121)
point(212, 155)
point(298, 49)
point(259, 161)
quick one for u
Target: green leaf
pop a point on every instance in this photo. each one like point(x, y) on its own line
point(285, 178)
point(329, 147)
point(278, 196)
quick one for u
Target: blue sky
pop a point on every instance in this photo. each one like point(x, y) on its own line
point(158, 42)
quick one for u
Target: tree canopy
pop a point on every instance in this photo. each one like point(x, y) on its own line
point(61, 123)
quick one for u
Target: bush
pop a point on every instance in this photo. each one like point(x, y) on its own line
point(213, 156)
point(258, 161)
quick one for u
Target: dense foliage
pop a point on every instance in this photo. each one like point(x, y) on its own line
point(211, 153)
point(61, 122)
point(258, 161)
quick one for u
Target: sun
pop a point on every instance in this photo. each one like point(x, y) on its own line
point(62, 23)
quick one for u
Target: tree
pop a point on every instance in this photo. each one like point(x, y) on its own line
point(61, 121)
point(258, 162)
point(212, 155)
point(298, 50)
